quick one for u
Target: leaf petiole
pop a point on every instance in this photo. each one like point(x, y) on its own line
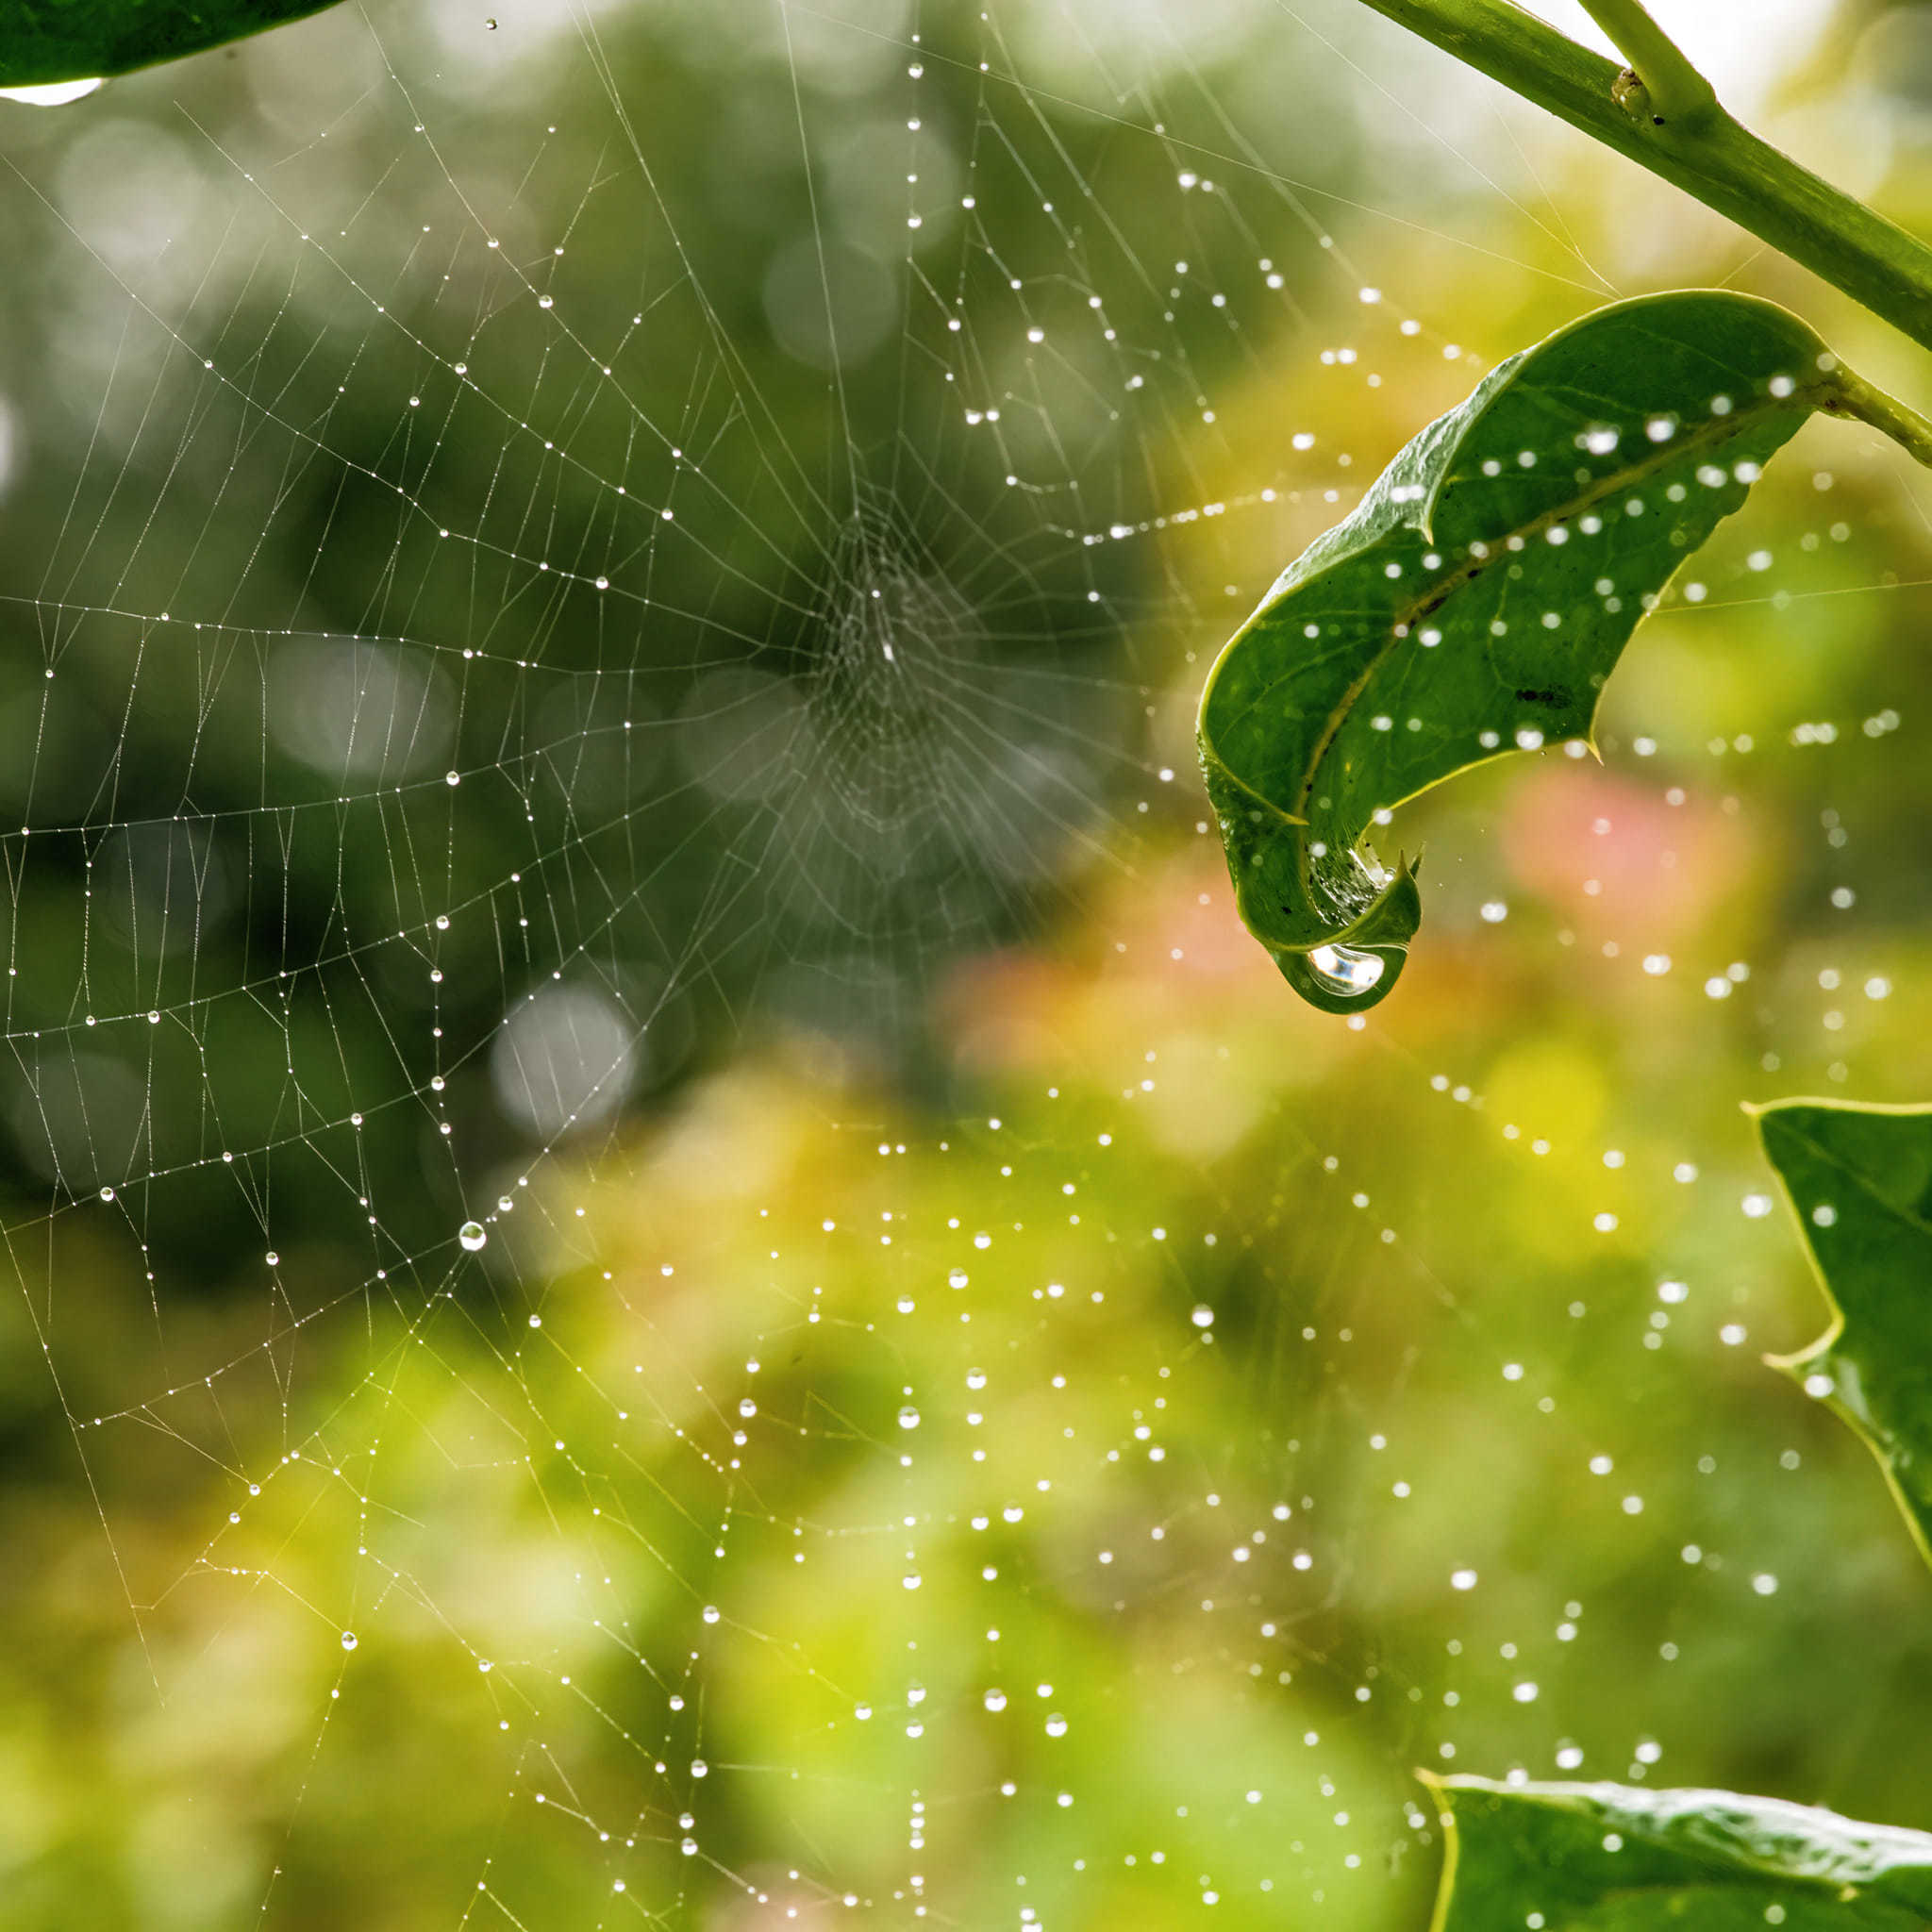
point(1852, 397)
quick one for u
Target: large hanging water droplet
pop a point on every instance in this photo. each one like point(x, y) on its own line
point(1343, 979)
point(1346, 969)
point(51, 93)
point(472, 1235)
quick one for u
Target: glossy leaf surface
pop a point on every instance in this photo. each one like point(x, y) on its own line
point(1477, 600)
point(1859, 1179)
point(1604, 1857)
point(78, 39)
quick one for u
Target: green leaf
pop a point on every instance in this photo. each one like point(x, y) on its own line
point(1859, 1179)
point(45, 40)
point(1479, 597)
point(1602, 1858)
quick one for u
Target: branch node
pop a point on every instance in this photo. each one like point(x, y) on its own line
point(1677, 91)
point(1630, 94)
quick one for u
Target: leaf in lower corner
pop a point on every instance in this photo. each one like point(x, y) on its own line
point(1477, 600)
point(1604, 1857)
point(1859, 1179)
point(42, 45)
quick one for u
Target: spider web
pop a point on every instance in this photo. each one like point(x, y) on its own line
point(689, 1278)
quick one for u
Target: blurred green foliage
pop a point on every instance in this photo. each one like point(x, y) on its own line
point(984, 1241)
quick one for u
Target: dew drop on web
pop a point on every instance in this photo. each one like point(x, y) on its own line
point(472, 1235)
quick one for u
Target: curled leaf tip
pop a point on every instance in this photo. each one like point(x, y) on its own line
point(1476, 602)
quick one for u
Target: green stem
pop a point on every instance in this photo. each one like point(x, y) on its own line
point(1679, 95)
point(1858, 398)
point(1724, 165)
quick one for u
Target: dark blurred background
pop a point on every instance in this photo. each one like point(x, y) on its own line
point(672, 1262)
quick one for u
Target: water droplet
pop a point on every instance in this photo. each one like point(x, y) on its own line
point(1347, 970)
point(472, 1235)
point(1462, 1579)
point(51, 93)
point(1204, 1316)
point(350, 1640)
point(908, 1417)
